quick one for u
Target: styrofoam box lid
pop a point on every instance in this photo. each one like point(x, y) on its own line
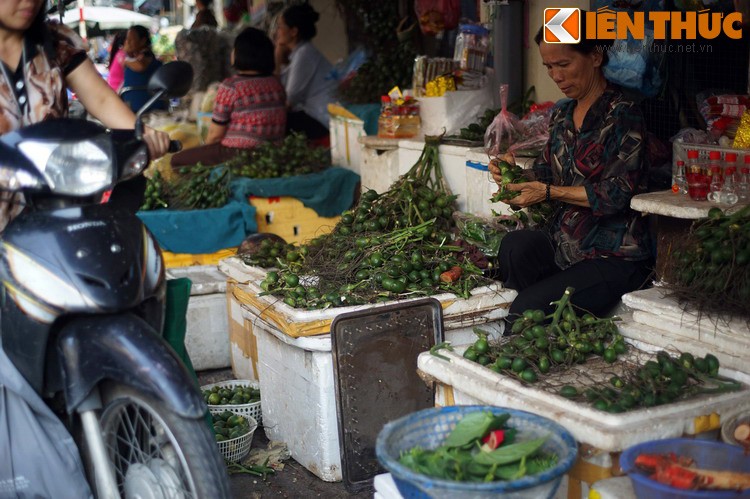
point(491, 301)
point(608, 432)
point(657, 301)
point(206, 279)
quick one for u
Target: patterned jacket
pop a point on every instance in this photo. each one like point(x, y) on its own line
point(607, 157)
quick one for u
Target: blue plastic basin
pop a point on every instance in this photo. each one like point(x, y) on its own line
point(707, 455)
point(430, 427)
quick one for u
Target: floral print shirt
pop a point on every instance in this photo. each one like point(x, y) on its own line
point(607, 157)
point(45, 80)
point(45, 91)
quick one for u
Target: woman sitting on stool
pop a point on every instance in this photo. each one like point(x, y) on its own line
point(250, 107)
point(592, 165)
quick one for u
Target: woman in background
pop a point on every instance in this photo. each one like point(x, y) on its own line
point(204, 16)
point(116, 65)
point(304, 71)
point(140, 64)
point(250, 107)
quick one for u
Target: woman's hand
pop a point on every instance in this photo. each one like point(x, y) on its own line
point(497, 175)
point(530, 193)
point(157, 142)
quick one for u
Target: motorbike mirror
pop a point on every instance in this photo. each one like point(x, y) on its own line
point(172, 79)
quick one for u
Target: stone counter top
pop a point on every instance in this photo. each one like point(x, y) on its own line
point(669, 204)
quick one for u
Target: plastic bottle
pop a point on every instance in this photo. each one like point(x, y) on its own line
point(679, 180)
point(743, 181)
point(386, 120)
point(714, 166)
point(696, 177)
point(728, 193)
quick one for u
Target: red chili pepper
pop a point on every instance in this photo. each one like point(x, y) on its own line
point(494, 439)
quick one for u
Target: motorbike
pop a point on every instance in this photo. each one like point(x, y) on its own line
point(82, 307)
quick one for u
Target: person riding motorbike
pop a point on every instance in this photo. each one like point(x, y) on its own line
point(82, 361)
point(39, 60)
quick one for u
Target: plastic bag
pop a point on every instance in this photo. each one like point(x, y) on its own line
point(485, 233)
point(536, 130)
point(633, 64)
point(436, 16)
point(38, 457)
point(504, 130)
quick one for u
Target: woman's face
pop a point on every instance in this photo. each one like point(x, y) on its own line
point(284, 34)
point(574, 73)
point(17, 15)
point(133, 43)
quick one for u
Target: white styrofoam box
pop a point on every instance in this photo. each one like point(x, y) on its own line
point(452, 163)
point(668, 204)
point(486, 304)
point(206, 337)
point(242, 347)
point(669, 322)
point(620, 487)
point(452, 111)
point(379, 163)
point(607, 432)
point(299, 404)
point(206, 279)
point(346, 150)
point(480, 187)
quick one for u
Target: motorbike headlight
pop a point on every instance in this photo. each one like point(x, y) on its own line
point(136, 163)
point(76, 168)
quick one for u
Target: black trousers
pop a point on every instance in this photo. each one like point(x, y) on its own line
point(300, 121)
point(527, 264)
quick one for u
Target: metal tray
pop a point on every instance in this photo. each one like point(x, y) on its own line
point(375, 374)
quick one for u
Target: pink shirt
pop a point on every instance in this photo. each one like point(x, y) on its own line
point(117, 71)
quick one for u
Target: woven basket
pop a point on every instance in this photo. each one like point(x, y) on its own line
point(237, 448)
point(252, 410)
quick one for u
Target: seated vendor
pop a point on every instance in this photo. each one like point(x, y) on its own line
point(250, 107)
point(304, 71)
point(590, 168)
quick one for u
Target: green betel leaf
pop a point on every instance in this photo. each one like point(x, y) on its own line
point(510, 453)
point(471, 427)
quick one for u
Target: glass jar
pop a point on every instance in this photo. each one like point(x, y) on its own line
point(472, 47)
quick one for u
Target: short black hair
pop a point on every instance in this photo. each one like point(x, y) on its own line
point(585, 46)
point(143, 34)
point(253, 51)
point(303, 17)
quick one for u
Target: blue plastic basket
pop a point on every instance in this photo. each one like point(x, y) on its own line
point(430, 427)
point(707, 455)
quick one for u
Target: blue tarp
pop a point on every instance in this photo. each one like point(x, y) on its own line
point(368, 113)
point(328, 192)
point(201, 231)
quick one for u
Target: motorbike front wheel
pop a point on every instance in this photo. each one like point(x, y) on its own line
point(155, 452)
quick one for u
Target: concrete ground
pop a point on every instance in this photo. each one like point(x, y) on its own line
point(294, 481)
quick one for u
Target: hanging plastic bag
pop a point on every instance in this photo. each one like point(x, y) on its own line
point(633, 64)
point(536, 130)
point(38, 457)
point(504, 130)
point(436, 16)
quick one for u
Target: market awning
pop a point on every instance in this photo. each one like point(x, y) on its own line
point(106, 18)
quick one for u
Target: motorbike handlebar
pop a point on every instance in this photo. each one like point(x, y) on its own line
point(175, 146)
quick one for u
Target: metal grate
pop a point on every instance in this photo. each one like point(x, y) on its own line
point(375, 373)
